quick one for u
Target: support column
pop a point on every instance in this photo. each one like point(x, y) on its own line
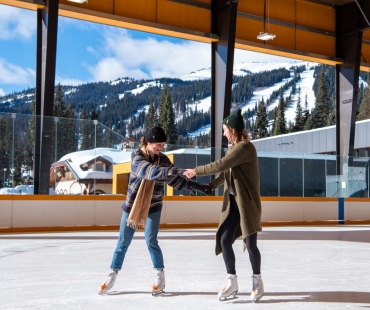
point(224, 25)
point(347, 78)
point(47, 27)
point(351, 21)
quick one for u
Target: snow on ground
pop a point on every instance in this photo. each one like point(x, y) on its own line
point(140, 89)
point(201, 131)
point(255, 67)
point(202, 74)
point(202, 105)
point(21, 190)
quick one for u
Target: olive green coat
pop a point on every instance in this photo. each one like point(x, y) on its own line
point(241, 158)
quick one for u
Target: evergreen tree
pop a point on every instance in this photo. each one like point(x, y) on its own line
point(306, 115)
point(87, 132)
point(151, 119)
point(16, 171)
point(70, 144)
point(321, 117)
point(4, 147)
point(309, 123)
point(280, 126)
point(332, 116)
point(299, 117)
point(364, 111)
point(110, 135)
point(64, 126)
point(261, 124)
point(290, 126)
point(166, 116)
point(274, 115)
point(97, 131)
point(29, 142)
point(28, 154)
point(59, 108)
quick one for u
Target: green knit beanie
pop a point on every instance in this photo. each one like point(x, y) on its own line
point(235, 120)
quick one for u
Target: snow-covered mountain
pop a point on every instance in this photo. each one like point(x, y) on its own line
point(240, 69)
point(305, 84)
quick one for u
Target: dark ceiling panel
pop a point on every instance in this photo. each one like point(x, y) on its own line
point(332, 2)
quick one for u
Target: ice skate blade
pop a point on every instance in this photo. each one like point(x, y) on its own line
point(257, 299)
point(102, 292)
point(156, 293)
point(231, 296)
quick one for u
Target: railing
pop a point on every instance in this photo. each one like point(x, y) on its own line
point(83, 151)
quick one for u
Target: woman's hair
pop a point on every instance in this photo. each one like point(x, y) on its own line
point(143, 142)
point(237, 136)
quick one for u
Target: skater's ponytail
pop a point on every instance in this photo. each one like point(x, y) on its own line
point(143, 142)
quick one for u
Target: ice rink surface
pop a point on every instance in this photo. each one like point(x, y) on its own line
point(305, 267)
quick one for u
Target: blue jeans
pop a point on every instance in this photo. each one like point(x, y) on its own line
point(126, 234)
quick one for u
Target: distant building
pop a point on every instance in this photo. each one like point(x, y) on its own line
point(304, 164)
point(127, 143)
point(316, 141)
point(86, 172)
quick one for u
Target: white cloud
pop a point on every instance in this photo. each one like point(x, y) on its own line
point(111, 68)
point(124, 55)
point(68, 81)
point(241, 56)
point(13, 74)
point(16, 23)
point(2, 92)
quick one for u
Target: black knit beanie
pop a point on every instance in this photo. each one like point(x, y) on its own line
point(156, 135)
point(235, 120)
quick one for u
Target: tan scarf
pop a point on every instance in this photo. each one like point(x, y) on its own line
point(140, 209)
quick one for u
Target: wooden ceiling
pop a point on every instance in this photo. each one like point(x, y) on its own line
point(304, 29)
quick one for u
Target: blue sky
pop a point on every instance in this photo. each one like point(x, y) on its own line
point(89, 52)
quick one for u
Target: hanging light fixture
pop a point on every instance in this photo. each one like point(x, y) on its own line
point(265, 35)
point(78, 1)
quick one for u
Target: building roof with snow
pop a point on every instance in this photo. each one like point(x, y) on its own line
point(80, 162)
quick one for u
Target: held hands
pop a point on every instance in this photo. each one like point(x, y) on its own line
point(192, 185)
point(189, 173)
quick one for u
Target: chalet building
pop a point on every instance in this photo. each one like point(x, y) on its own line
point(86, 172)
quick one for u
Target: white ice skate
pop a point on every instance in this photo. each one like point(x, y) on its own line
point(258, 290)
point(108, 283)
point(230, 289)
point(159, 282)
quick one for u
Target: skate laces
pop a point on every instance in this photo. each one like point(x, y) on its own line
point(256, 282)
point(113, 274)
point(229, 282)
point(158, 277)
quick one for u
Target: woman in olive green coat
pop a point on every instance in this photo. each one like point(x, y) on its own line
point(241, 208)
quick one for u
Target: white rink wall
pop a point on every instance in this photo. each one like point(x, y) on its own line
point(49, 213)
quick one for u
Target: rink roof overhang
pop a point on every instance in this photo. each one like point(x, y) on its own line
point(304, 29)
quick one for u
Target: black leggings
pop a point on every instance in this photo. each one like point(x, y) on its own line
point(227, 231)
